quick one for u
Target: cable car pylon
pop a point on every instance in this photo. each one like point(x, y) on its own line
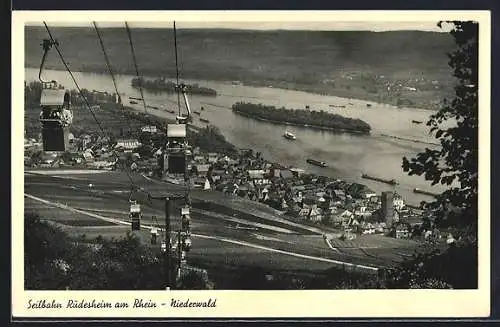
point(176, 158)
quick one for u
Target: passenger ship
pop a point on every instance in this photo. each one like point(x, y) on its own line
point(289, 135)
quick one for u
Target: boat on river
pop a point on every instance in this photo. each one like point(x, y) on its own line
point(289, 135)
point(416, 121)
point(379, 179)
point(133, 102)
point(317, 163)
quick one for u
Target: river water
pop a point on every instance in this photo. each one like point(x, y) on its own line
point(348, 156)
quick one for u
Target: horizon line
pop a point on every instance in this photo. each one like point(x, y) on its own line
point(265, 26)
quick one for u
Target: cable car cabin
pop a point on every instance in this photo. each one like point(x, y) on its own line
point(135, 216)
point(175, 159)
point(56, 118)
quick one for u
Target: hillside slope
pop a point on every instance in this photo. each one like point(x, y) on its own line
point(315, 61)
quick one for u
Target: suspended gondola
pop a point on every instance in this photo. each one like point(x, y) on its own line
point(177, 149)
point(56, 115)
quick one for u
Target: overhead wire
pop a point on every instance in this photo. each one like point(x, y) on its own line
point(177, 71)
point(133, 185)
point(140, 81)
point(108, 64)
point(80, 90)
point(74, 80)
point(187, 182)
point(139, 78)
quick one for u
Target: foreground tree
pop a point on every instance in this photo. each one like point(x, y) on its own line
point(454, 164)
point(456, 127)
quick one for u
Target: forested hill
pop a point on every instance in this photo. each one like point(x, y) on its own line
point(240, 54)
point(343, 63)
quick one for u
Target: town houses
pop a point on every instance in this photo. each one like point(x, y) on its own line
point(298, 195)
point(304, 197)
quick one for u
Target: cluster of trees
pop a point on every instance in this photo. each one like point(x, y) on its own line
point(314, 119)
point(56, 261)
point(211, 139)
point(161, 85)
point(208, 138)
point(33, 91)
point(103, 104)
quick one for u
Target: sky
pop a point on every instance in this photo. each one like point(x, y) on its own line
point(303, 25)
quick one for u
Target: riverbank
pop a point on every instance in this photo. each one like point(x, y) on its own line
point(359, 92)
point(348, 155)
point(351, 92)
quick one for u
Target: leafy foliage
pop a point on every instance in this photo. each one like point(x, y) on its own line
point(211, 139)
point(55, 261)
point(44, 245)
point(455, 164)
point(436, 269)
point(456, 127)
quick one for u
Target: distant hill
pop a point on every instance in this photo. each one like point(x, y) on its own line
point(295, 59)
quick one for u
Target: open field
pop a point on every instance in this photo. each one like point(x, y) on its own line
point(215, 237)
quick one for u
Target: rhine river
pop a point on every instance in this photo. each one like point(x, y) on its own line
point(348, 156)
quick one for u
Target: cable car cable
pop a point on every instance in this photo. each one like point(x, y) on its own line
point(108, 64)
point(177, 72)
point(74, 80)
point(79, 89)
point(135, 65)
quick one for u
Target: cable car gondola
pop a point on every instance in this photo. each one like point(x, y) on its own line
point(135, 215)
point(56, 115)
point(177, 148)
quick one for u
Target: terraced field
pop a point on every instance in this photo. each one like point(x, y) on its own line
point(232, 237)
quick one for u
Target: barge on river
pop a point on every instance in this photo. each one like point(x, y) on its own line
point(382, 180)
point(317, 163)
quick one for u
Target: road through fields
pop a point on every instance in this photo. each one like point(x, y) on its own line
point(216, 235)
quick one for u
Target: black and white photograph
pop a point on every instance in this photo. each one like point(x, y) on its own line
point(273, 155)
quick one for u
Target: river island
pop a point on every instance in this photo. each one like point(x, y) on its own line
point(162, 85)
point(305, 118)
